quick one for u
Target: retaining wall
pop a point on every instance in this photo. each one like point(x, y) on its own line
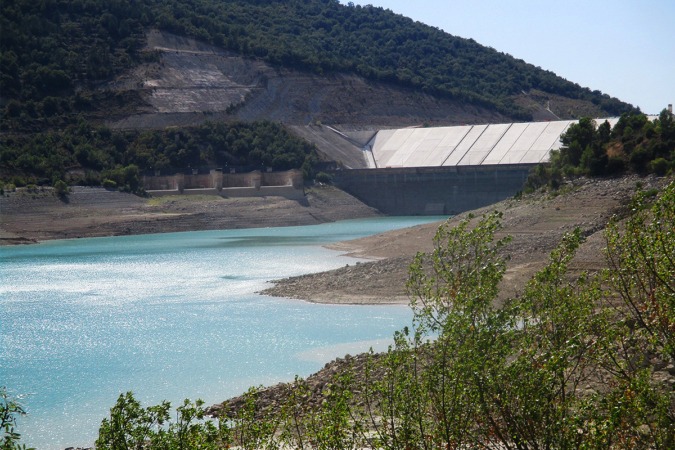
point(432, 190)
point(287, 184)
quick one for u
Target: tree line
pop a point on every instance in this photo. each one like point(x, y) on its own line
point(88, 155)
point(636, 144)
point(51, 49)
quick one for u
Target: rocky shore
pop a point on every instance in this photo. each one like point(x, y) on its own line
point(536, 223)
point(29, 216)
point(271, 398)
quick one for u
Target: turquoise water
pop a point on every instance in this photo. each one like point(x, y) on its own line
point(170, 316)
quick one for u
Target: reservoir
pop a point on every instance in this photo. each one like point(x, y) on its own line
point(169, 317)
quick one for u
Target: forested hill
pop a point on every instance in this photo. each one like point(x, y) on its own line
point(61, 62)
point(50, 48)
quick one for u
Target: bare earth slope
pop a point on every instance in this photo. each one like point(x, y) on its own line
point(536, 223)
point(27, 217)
point(193, 82)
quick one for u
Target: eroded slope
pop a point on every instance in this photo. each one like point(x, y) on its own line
point(193, 82)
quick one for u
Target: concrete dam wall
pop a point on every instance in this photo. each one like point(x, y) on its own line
point(447, 170)
point(432, 190)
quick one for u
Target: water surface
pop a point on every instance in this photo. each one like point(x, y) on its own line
point(170, 316)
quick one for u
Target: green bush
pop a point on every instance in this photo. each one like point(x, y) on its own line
point(615, 165)
point(109, 184)
point(10, 411)
point(61, 189)
point(660, 166)
point(323, 177)
point(132, 426)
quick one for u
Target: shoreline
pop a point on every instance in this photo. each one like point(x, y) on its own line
point(28, 217)
point(536, 223)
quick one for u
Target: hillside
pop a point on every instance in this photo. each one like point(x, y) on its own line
point(56, 46)
point(193, 82)
point(83, 65)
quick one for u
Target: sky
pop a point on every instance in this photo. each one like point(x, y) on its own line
point(623, 48)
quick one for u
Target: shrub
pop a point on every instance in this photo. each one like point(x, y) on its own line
point(615, 165)
point(61, 189)
point(642, 267)
point(18, 181)
point(109, 184)
point(660, 166)
point(323, 177)
point(640, 159)
point(10, 411)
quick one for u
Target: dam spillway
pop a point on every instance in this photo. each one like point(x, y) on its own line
point(468, 145)
point(448, 170)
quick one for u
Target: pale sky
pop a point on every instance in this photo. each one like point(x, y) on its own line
point(623, 48)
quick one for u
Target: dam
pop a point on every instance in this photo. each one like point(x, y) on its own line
point(400, 172)
point(441, 170)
